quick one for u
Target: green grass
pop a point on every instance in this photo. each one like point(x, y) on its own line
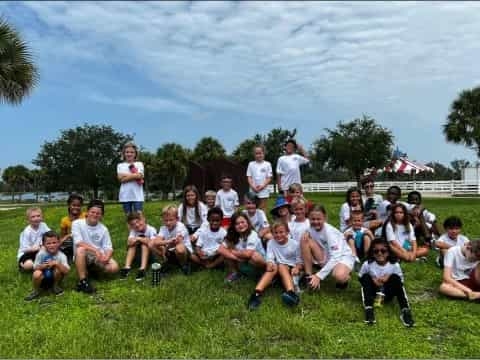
point(198, 316)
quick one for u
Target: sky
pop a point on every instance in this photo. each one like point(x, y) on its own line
point(179, 71)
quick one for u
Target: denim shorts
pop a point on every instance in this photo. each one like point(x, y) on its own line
point(132, 206)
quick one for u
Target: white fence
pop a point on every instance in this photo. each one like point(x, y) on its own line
point(452, 187)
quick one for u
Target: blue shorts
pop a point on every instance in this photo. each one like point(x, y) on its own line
point(132, 206)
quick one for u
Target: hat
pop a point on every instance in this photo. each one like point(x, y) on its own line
point(279, 203)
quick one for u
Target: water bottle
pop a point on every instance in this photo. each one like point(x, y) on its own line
point(48, 272)
point(156, 273)
point(379, 298)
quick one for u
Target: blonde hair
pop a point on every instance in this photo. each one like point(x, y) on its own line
point(259, 146)
point(295, 187)
point(130, 145)
point(30, 210)
point(210, 193)
point(170, 210)
point(277, 224)
point(298, 201)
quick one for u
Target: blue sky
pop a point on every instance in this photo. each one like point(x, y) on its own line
point(177, 71)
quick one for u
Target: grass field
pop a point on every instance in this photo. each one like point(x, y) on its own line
point(197, 316)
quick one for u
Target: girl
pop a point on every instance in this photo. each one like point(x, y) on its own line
point(281, 210)
point(452, 237)
point(257, 217)
point(399, 233)
point(192, 212)
point(130, 173)
point(381, 278)
point(300, 224)
point(353, 203)
point(326, 245)
point(424, 222)
point(283, 259)
point(74, 203)
point(259, 176)
point(242, 247)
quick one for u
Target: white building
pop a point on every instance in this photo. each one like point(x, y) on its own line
point(471, 174)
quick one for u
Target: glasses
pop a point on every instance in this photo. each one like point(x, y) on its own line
point(368, 186)
point(380, 251)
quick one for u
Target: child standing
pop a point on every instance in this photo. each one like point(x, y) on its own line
point(130, 173)
point(300, 224)
point(74, 203)
point(283, 259)
point(141, 234)
point(257, 217)
point(381, 278)
point(288, 166)
point(259, 176)
point(227, 200)
point(209, 240)
point(50, 266)
point(31, 239)
point(353, 203)
point(192, 212)
point(453, 226)
point(358, 237)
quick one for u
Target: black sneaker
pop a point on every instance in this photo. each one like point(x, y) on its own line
point(186, 269)
point(140, 275)
point(369, 316)
point(124, 273)
point(85, 286)
point(341, 286)
point(254, 301)
point(304, 282)
point(35, 294)
point(289, 298)
point(406, 317)
point(57, 290)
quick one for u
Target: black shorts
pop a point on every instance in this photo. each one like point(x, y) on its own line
point(192, 229)
point(27, 256)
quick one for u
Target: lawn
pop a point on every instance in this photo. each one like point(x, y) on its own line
point(197, 316)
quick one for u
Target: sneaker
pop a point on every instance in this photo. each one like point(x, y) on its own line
point(85, 286)
point(57, 290)
point(406, 317)
point(232, 277)
point(186, 269)
point(124, 273)
point(140, 275)
point(369, 316)
point(289, 298)
point(304, 282)
point(35, 294)
point(254, 301)
point(421, 259)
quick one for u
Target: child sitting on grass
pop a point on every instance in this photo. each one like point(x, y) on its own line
point(353, 203)
point(382, 279)
point(300, 223)
point(50, 266)
point(209, 240)
point(192, 212)
point(358, 237)
point(210, 197)
point(140, 236)
point(424, 222)
point(31, 239)
point(452, 237)
point(283, 259)
point(295, 191)
point(257, 217)
point(227, 200)
point(74, 203)
point(281, 210)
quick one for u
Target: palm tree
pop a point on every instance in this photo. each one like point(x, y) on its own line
point(18, 73)
point(173, 165)
point(207, 149)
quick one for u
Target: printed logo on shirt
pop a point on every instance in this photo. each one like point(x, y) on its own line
point(334, 247)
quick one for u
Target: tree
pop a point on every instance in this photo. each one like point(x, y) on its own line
point(458, 165)
point(172, 167)
point(355, 146)
point(83, 158)
point(38, 181)
point(243, 153)
point(463, 122)
point(207, 149)
point(18, 73)
point(16, 177)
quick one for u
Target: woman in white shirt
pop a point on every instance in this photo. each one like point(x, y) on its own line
point(130, 173)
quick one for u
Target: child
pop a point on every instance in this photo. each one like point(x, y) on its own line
point(453, 226)
point(288, 166)
point(371, 202)
point(75, 203)
point(31, 239)
point(283, 259)
point(130, 173)
point(92, 245)
point(259, 176)
point(209, 241)
point(227, 200)
point(358, 237)
point(393, 194)
point(295, 191)
point(50, 266)
point(382, 279)
point(192, 212)
point(173, 237)
point(325, 244)
point(424, 222)
point(242, 247)
point(210, 197)
point(281, 210)
point(300, 224)
point(353, 203)
point(140, 236)
point(399, 233)
point(461, 275)
point(257, 217)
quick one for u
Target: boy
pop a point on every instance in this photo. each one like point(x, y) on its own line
point(31, 239)
point(210, 197)
point(92, 245)
point(393, 194)
point(288, 166)
point(453, 226)
point(173, 237)
point(295, 191)
point(140, 236)
point(209, 240)
point(227, 200)
point(371, 203)
point(50, 266)
point(358, 237)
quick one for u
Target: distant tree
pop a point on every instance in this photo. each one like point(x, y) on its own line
point(18, 73)
point(243, 153)
point(355, 146)
point(83, 158)
point(463, 122)
point(441, 172)
point(207, 149)
point(458, 165)
point(38, 181)
point(172, 166)
point(17, 178)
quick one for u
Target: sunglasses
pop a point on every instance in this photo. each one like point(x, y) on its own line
point(380, 251)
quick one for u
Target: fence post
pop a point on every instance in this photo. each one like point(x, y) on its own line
point(452, 188)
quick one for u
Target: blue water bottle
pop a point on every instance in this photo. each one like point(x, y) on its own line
point(48, 272)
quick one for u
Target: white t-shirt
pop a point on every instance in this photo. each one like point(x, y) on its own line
point(190, 218)
point(259, 172)
point(344, 216)
point(460, 265)
point(289, 167)
point(336, 248)
point(228, 201)
point(376, 270)
point(377, 200)
point(96, 236)
point(259, 220)
point(43, 255)
point(403, 237)
point(297, 229)
point(172, 234)
point(252, 242)
point(30, 237)
point(288, 254)
point(209, 241)
point(383, 212)
point(459, 241)
point(130, 191)
point(149, 233)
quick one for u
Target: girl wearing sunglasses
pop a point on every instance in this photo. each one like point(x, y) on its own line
point(382, 279)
